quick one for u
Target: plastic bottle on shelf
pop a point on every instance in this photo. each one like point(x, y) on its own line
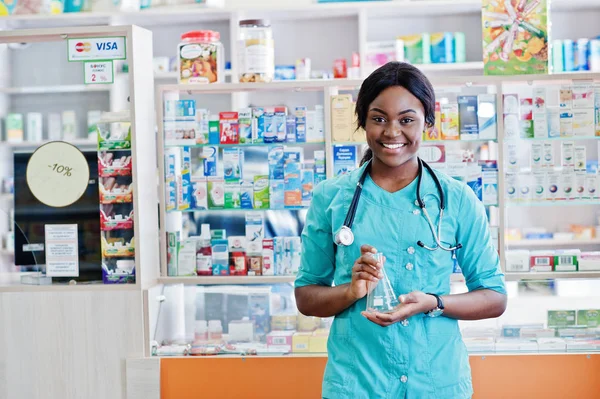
point(215, 330)
point(204, 253)
point(201, 332)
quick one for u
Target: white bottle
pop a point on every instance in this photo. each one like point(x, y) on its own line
point(215, 330)
point(201, 331)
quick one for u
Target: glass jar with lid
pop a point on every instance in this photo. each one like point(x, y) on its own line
point(256, 52)
point(201, 57)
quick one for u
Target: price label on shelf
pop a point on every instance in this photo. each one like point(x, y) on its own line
point(98, 72)
point(57, 174)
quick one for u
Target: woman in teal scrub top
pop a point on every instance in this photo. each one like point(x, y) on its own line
point(415, 352)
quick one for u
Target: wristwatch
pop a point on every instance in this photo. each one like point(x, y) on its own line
point(439, 309)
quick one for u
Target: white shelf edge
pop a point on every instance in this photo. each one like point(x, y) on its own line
point(321, 84)
point(551, 243)
point(247, 280)
point(67, 288)
point(544, 204)
point(175, 75)
point(447, 67)
point(550, 275)
point(31, 144)
point(227, 280)
point(55, 89)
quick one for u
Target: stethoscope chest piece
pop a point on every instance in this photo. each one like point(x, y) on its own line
point(344, 236)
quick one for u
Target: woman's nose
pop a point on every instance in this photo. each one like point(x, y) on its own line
point(393, 129)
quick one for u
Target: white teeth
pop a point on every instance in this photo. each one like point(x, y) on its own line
point(393, 146)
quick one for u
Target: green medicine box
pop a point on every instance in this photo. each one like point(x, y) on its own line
point(561, 318)
point(566, 262)
point(589, 318)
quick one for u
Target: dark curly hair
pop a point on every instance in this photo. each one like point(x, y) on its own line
point(394, 74)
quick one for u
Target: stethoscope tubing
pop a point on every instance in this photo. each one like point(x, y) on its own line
point(436, 235)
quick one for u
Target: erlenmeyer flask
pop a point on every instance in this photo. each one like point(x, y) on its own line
point(381, 297)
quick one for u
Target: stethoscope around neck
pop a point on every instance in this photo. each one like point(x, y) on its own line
point(345, 236)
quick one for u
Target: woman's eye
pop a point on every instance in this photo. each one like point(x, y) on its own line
point(379, 119)
point(405, 120)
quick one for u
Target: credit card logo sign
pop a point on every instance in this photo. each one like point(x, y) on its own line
point(83, 47)
point(96, 48)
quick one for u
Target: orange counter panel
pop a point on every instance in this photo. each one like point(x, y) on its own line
point(494, 377)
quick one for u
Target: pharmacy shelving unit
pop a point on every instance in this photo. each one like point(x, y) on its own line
point(86, 320)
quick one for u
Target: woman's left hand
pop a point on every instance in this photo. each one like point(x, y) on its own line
point(410, 304)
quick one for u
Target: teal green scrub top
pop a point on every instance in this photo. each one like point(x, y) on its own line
point(422, 357)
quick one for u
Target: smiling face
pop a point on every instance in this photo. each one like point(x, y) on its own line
point(394, 125)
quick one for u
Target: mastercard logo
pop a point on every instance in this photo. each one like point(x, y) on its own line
point(82, 47)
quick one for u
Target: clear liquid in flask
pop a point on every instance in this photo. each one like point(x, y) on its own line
point(381, 296)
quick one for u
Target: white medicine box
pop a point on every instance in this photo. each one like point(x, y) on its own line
point(517, 261)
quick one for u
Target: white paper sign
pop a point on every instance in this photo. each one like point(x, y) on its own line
point(58, 174)
point(62, 251)
point(98, 72)
point(97, 48)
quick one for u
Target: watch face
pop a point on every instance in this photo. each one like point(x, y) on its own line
point(435, 312)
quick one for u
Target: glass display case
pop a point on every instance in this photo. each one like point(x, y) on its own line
point(239, 163)
point(70, 165)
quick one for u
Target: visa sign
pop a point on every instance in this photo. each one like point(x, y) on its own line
point(97, 48)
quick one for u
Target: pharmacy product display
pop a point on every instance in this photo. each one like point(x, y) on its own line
point(256, 160)
point(423, 48)
point(255, 321)
point(218, 180)
point(186, 125)
point(551, 159)
point(116, 199)
point(35, 127)
point(576, 55)
point(553, 260)
point(565, 330)
point(541, 169)
point(214, 253)
point(515, 37)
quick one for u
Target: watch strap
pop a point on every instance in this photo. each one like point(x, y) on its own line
point(440, 303)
